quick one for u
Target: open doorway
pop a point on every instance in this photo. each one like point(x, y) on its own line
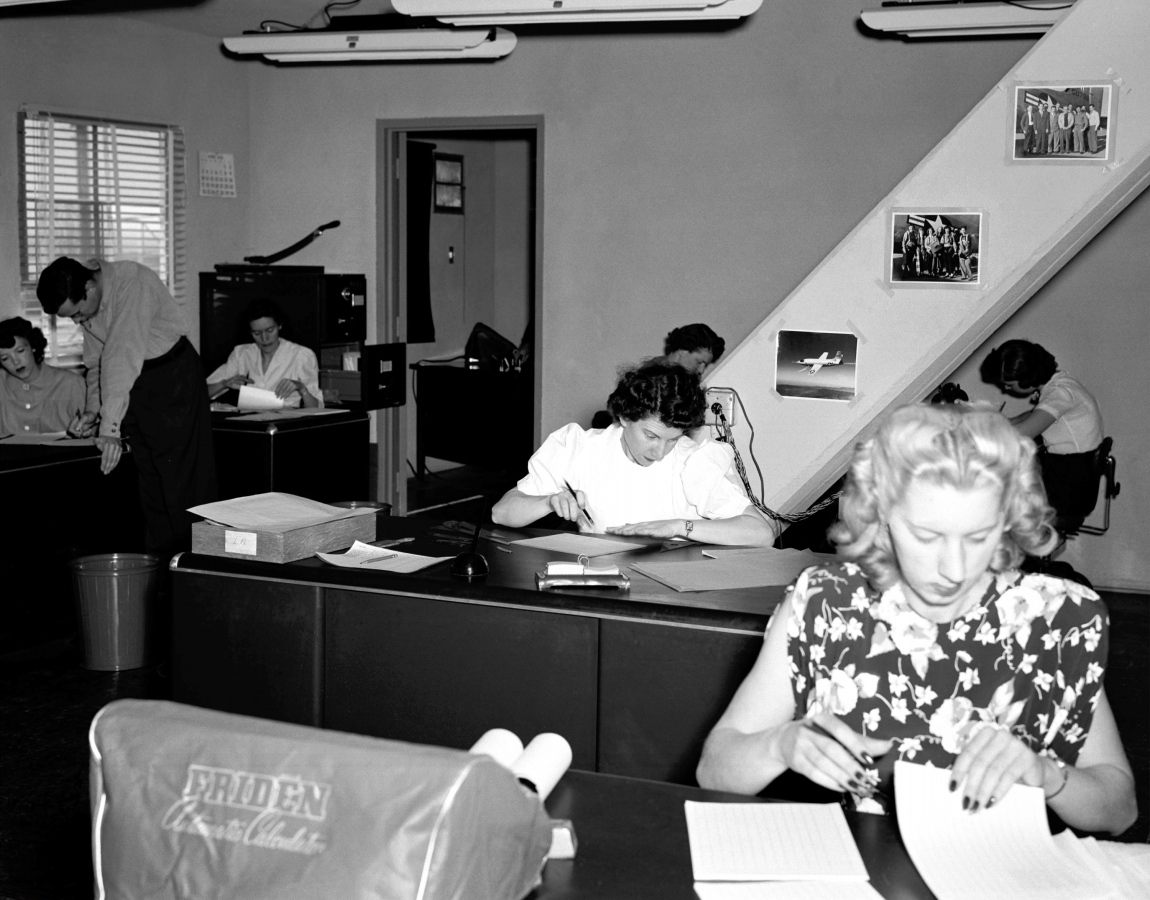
point(458, 204)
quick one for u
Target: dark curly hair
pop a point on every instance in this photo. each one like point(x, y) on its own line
point(10, 329)
point(64, 279)
point(942, 444)
point(668, 392)
point(1030, 364)
point(263, 308)
point(694, 337)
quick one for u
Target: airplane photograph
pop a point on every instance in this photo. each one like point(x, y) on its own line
point(816, 365)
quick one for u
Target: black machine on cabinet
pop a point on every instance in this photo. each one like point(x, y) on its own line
point(325, 312)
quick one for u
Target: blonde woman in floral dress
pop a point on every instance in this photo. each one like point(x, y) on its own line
point(925, 643)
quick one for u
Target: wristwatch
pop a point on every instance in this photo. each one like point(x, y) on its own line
point(688, 527)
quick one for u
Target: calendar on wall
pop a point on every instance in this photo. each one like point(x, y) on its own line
point(217, 174)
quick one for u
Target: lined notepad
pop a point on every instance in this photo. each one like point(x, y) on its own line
point(772, 842)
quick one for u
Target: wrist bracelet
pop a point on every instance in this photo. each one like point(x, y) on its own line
point(688, 527)
point(1065, 778)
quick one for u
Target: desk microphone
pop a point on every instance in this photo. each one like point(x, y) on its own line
point(471, 565)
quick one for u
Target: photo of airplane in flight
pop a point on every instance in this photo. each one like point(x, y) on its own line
point(813, 365)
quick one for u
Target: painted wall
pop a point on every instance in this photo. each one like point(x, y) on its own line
point(107, 66)
point(688, 176)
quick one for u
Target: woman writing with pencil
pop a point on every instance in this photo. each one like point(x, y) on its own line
point(925, 643)
point(642, 475)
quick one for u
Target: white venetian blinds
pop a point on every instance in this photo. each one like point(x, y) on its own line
point(95, 187)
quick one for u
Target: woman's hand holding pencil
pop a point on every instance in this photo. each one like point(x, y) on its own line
point(829, 753)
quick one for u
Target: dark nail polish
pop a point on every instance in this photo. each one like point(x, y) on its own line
point(867, 758)
point(953, 785)
point(966, 803)
point(974, 806)
point(991, 802)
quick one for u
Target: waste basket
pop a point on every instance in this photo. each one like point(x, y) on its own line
point(114, 595)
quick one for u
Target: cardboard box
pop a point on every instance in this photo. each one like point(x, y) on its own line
point(281, 547)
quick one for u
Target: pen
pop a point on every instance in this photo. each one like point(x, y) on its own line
point(393, 542)
point(590, 521)
point(379, 557)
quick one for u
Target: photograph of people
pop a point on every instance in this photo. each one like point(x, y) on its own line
point(34, 398)
point(926, 643)
point(270, 361)
point(935, 247)
point(1061, 122)
point(642, 475)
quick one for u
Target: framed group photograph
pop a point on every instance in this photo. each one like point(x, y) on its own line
point(935, 247)
point(1062, 122)
point(817, 365)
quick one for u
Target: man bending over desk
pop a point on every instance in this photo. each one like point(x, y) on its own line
point(642, 475)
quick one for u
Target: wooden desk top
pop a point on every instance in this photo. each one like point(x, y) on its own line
point(633, 844)
point(511, 581)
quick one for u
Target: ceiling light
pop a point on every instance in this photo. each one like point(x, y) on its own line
point(957, 18)
point(546, 12)
point(375, 46)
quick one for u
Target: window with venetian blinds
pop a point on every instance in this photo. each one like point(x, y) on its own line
point(97, 188)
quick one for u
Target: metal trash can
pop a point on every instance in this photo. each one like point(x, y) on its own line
point(115, 594)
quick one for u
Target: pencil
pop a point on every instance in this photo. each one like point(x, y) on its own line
point(865, 762)
point(590, 521)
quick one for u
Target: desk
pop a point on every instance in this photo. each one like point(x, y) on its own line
point(633, 843)
point(63, 507)
point(473, 416)
point(633, 680)
point(322, 457)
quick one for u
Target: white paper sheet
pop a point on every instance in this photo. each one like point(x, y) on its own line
point(1003, 852)
point(772, 842)
point(364, 556)
point(579, 544)
point(274, 511)
point(786, 890)
point(258, 398)
point(275, 415)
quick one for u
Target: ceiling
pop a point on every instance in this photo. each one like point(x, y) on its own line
point(216, 18)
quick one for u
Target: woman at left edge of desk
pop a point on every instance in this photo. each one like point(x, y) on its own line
point(644, 475)
point(270, 361)
point(34, 398)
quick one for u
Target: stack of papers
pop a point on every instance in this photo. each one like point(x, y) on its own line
point(735, 567)
point(745, 851)
point(579, 544)
point(274, 512)
point(1007, 850)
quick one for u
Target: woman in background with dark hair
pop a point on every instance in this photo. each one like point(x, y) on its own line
point(1065, 422)
point(270, 361)
point(694, 347)
point(642, 475)
point(34, 398)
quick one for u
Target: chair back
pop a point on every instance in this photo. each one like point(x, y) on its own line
point(1107, 468)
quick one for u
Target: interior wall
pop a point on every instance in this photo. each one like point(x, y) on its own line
point(113, 67)
point(690, 176)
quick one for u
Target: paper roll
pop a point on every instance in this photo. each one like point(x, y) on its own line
point(543, 762)
point(501, 745)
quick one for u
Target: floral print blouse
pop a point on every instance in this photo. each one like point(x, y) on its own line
point(1029, 657)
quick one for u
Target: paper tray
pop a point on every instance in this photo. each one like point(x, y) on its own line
point(545, 582)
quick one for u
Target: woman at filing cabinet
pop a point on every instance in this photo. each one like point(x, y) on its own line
point(925, 642)
point(270, 361)
point(642, 475)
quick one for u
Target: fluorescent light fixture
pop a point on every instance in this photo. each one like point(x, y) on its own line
point(546, 12)
point(375, 46)
point(958, 18)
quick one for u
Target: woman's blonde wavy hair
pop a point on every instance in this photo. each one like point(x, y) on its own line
point(957, 446)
